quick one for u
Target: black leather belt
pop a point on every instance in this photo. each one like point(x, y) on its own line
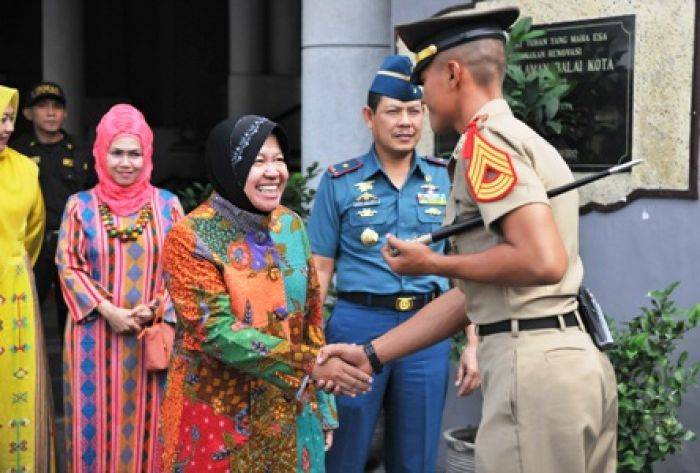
point(400, 302)
point(528, 324)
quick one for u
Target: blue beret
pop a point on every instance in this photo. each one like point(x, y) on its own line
point(393, 79)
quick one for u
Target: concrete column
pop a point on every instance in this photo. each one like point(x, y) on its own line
point(343, 44)
point(264, 43)
point(62, 60)
point(285, 37)
point(246, 40)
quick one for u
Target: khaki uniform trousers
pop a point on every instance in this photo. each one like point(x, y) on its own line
point(550, 404)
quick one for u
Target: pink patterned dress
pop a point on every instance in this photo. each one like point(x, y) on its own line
point(112, 403)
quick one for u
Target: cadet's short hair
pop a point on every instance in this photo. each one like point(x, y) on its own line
point(486, 60)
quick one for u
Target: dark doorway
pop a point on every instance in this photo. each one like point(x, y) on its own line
point(170, 60)
point(20, 33)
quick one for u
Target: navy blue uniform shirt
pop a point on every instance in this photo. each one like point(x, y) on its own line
point(357, 196)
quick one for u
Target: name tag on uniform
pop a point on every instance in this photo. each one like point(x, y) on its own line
point(68, 162)
point(433, 211)
point(431, 198)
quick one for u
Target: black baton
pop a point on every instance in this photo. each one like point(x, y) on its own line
point(454, 229)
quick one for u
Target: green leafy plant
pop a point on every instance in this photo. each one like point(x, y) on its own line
point(652, 382)
point(298, 194)
point(536, 97)
point(192, 196)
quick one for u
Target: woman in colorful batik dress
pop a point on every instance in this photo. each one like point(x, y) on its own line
point(109, 260)
point(26, 420)
point(247, 299)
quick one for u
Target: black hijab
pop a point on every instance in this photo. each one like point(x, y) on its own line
point(231, 150)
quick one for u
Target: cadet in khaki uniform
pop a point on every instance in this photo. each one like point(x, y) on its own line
point(550, 399)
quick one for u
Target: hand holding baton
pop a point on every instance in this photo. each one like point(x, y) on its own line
point(454, 229)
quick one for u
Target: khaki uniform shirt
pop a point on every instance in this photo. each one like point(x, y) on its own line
point(539, 168)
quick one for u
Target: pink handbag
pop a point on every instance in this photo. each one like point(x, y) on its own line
point(159, 338)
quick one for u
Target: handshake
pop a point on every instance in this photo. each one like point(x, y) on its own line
point(343, 368)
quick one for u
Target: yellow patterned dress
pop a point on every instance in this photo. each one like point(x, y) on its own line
point(26, 423)
point(249, 315)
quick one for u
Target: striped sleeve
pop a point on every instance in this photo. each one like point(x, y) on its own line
point(81, 292)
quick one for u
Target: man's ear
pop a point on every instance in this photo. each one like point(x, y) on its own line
point(367, 115)
point(27, 112)
point(454, 71)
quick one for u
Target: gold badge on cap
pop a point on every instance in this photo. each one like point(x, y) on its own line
point(369, 237)
point(425, 53)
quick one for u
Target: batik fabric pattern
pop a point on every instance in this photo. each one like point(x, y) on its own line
point(26, 417)
point(249, 328)
point(111, 402)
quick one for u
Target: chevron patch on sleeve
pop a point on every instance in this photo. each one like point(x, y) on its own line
point(490, 173)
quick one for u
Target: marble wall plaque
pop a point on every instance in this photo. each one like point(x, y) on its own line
point(596, 56)
point(664, 101)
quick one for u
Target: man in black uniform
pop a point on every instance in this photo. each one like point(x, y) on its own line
point(64, 169)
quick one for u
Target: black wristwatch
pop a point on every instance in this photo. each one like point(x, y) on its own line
point(373, 358)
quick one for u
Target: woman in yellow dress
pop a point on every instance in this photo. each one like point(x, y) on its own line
point(26, 421)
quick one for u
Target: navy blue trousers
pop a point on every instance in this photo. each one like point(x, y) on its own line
point(412, 389)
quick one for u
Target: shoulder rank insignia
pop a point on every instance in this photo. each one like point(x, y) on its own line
point(436, 160)
point(345, 167)
point(490, 173)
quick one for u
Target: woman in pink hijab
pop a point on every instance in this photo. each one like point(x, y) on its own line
point(109, 261)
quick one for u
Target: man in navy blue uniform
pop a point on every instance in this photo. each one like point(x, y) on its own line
point(390, 189)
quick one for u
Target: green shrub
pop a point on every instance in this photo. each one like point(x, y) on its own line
point(298, 195)
point(192, 196)
point(651, 382)
point(536, 97)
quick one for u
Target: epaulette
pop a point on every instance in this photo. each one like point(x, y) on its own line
point(346, 167)
point(436, 160)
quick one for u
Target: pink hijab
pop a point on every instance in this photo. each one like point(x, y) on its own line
point(123, 119)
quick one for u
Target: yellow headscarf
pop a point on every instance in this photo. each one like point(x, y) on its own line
point(9, 96)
